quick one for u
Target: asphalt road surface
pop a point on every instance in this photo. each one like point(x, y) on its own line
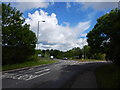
point(47, 76)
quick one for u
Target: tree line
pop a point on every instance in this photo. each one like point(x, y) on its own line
point(74, 53)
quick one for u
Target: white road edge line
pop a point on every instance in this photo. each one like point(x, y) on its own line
point(42, 71)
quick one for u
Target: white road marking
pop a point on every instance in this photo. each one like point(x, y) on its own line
point(7, 75)
point(31, 68)
point(22, 71)
point(36, 76)
point(42, 71)
point(75, 63)
point(26, 76)
point(16, 76)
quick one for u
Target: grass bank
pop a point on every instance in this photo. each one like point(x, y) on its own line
point(108, 76)
point(28, 64)
point(88, 60)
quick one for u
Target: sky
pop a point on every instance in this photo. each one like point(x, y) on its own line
point(66, 23)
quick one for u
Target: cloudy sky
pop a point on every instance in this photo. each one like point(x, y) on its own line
point(66, 23)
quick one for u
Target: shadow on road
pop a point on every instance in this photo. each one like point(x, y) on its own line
point(69, 74)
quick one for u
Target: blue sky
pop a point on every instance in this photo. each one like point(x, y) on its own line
point(66, 22)
point(73, 15)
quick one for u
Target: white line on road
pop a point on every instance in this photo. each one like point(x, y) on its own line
point(32, 77)
point(26, 76)
point(31, 70)
point(74, 63)
point(42, 71)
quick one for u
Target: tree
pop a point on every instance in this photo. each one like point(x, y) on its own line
point(105, 36)
point(75, 53)
point(86, 51)
point(18, 42)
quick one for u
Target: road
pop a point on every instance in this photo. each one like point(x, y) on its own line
point(47, 76)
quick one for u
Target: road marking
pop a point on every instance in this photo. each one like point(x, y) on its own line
point(7, 75)
point(42, 71)
point(26, 70)
point(26, 76)
point(16, 76)
point(72, 63)
point(22, 71)
point(31, 68)
point(36, 76)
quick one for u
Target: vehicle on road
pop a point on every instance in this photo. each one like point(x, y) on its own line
point(65, 58)
point(51, 57)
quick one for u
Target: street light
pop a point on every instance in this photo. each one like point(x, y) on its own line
point(119, 5)
point(84, 55)
point(38, 31)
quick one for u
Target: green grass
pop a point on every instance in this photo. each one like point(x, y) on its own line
point(108, 76)
point(88, 60)
point(28, 64)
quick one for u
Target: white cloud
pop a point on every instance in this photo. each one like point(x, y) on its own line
point(23, 6)
point(60, 0)
point(68, 5)
point(95, 0)
point(84, 35)
point(66, 24)
point(55, 36)
point(99, 5)
point(95, 4)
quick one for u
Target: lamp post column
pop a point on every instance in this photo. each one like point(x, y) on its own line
point(38, 34)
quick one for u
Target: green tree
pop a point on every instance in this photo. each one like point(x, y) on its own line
point(56, 53)
point(18, 42)
point(86, 51)
point(105, 36)
point(74, 53)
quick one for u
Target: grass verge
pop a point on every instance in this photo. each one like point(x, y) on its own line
point(108, 76)
point(28, 64)
point(88, 60)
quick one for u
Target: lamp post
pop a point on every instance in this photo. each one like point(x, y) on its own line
point(119, 5)
point(84, 55)
point(38, 32)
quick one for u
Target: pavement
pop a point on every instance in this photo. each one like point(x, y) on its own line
point(66, 74)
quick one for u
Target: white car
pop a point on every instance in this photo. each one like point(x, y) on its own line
point(51, 57)
point(65, 58)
